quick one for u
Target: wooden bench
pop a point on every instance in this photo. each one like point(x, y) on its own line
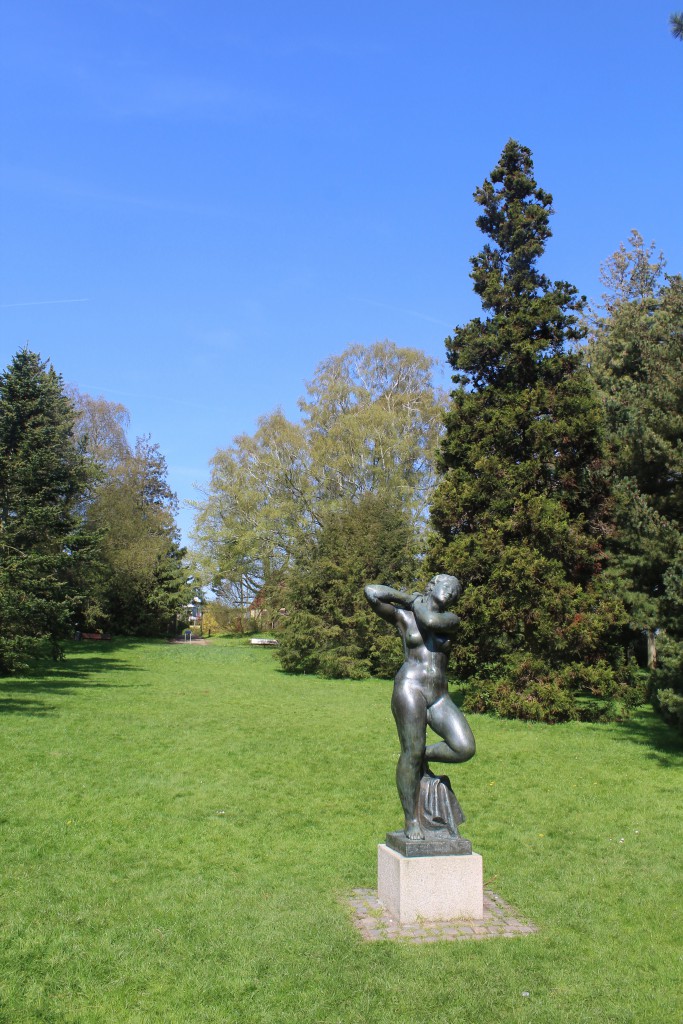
point(93, 636)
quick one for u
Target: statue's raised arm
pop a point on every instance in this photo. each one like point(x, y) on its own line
point(432, 619)
point(385, 601)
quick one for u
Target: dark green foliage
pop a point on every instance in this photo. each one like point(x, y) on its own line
point(43, 475)
point(636, 355)
point(676, 25)
point(330, 629)
point(150, 604)
point(522, 512)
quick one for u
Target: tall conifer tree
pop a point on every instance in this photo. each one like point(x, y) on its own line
point(330, 630)
point(522, 511)
point(43, 475)
point(635, 353)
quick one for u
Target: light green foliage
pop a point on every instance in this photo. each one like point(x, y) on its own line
point(139, 582)
point(43, 474)
point(101, 428)
point(182, 827)
point(212, 620)
point(635, 352)
point(371, 420)
point(522, 510)
point(256, 503)
point(145, 577)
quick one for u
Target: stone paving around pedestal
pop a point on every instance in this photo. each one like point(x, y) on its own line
point(374, 922)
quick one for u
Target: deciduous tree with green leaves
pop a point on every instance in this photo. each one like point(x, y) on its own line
point(137, 581)
point(522, 513)
point(144, 577)
point(371, 421)
point(257, 503)
point(43, 475)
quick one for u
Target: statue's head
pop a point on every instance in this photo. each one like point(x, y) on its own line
point(446, 589)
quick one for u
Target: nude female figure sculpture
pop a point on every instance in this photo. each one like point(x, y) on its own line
point(420, 696)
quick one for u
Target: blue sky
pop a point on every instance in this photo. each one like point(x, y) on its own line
point(200, 201)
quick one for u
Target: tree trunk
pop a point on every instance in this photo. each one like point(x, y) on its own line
point(651, 650)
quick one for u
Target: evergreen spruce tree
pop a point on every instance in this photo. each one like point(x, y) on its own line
point(43, 475)
point(635, 353)
point(329, 629)
point(522, 512)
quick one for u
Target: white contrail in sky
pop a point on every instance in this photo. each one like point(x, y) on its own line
point(46, 302)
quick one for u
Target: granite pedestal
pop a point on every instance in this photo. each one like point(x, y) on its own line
point(442, 887)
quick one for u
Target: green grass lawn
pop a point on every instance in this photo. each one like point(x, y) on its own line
point(181, 827)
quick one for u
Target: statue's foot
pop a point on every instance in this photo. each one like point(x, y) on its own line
point(413, 830)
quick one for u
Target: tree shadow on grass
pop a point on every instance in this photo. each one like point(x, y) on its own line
point(26, 706)
point(60, 677)
point(647, 729)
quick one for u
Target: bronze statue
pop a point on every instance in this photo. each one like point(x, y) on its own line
point(421, 698)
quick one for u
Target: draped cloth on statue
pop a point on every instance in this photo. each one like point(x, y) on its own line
point(438, 807)
point(439, 814)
